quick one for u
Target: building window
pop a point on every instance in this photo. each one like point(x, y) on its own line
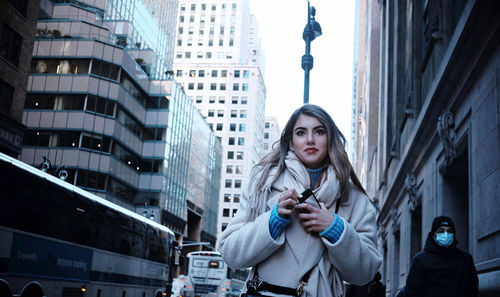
point(231, 42)
point(222, 99)
point(6, 95)
point(237, 183)
point(232, 127)
point(239, 169)
point(199, 99)
point(191, 18)
point(225, 212)
point(214, 73)
point(234, 212)
point(244, 100)
point(220, 113)
point(234, 100)
point(223, 73)
point(236, 87)
point(266, 135)
point(246, 73)
point(209, 55)
point(179, 42)
point(211, 113)
point(213, 86)
point(223, 227)
point(266, 145)
point(229, 169)
point(211, 99)
point(201, 73)
point(222, 86)
point(227, 197)
point(230, 155)
point(234, 113)
point(241, 140)
point(179, 55)
point(231, 141)
point(243, 127)
point(229, 183)
point(190, 86)
point(210, 42)
point(221, 42)
point(188, 55)
point(236, 198)
point(243, 114)
point(244, 87)
point(219, 127)
point(200, 55)
point(239, 155)
point(200, 86)
point(179, 73)
point(193, 7)
point(236, 73)
point(266, 125)
point(192, 73)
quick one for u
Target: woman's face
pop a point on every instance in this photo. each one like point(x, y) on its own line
point(309, 141)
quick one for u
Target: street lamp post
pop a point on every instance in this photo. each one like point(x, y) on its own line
point(311, 31)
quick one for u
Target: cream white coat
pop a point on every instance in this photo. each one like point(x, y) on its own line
point(354, 258)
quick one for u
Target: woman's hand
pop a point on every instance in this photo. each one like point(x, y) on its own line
point(287, 201)
point(314, 219)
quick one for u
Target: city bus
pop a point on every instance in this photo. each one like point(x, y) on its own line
point(210, 276)
point(57, 240)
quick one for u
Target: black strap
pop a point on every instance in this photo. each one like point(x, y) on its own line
point(254, 285)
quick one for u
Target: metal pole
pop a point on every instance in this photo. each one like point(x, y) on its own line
point(307, 59)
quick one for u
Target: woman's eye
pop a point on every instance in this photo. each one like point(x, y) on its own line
point(300, 133)
point(320, 131)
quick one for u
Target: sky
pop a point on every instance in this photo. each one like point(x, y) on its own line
point(281, 23)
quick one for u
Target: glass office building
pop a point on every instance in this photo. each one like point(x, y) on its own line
point(105, 108)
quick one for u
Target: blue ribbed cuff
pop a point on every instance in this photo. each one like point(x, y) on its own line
point(276, 223)
point(334, 232)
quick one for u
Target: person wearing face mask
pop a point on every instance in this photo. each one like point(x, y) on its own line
point(441, 269)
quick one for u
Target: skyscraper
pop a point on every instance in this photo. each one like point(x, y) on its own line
point(102, 106)
point(218, 62)
point(272, 133)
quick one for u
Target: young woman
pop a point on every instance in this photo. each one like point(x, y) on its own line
point(305, 248)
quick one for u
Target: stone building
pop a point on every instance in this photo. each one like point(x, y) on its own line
point(438, 130)
point(18, 20)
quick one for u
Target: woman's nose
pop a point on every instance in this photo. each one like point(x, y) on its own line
point(310, 138)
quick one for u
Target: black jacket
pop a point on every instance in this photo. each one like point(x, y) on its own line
point(438, 271)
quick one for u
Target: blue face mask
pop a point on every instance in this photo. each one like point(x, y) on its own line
point(444, 239)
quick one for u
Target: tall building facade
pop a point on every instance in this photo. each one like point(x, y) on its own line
point(101, 111)
point(272, 133)
point(18, 20)
point(365, 113)
point(219, 64)
point(438, 132)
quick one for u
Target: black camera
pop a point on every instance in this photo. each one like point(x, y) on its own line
point(306, 194)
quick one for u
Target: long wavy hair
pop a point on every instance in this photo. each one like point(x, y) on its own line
point(336, 157)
